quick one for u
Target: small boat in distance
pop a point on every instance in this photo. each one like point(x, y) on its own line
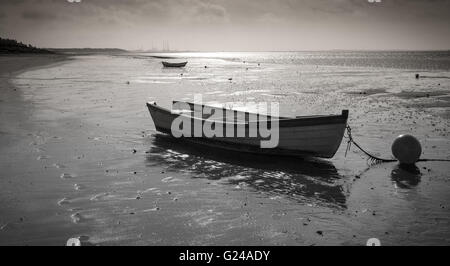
point(168, 64)
point(302, 136)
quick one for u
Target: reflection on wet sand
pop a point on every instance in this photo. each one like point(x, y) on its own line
point(305, 181)
point(406, 176)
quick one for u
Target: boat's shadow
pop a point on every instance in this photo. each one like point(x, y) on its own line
point(306, 181)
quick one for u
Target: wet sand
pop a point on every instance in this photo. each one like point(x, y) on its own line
point(79, 162)
point(27, 209)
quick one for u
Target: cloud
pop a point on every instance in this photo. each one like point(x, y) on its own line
point(269, 18)
point(201, 11)
point(205, 8)
point(225, 11)
point(214, 23)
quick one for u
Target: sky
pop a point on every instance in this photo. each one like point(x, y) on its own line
point(229, 25)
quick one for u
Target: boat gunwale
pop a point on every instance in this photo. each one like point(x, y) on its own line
point(283, 122)
point(231, 110)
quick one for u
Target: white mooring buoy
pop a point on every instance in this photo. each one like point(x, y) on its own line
point(407, 149)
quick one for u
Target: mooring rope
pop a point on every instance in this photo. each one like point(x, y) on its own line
point(374, 159)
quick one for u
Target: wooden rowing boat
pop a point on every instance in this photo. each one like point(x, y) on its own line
point(302, 136)
point(168, 64)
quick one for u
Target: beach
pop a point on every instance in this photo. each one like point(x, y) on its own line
point(80, 156)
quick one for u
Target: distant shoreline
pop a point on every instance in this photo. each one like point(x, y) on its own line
point(10, 46)
point(295, 51)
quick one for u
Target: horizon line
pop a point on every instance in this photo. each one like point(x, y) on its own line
point(248, 51)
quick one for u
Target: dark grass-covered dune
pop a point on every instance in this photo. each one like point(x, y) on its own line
point(8, 46)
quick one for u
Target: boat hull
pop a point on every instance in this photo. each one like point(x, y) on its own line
point(167, 64)
point(300, 137)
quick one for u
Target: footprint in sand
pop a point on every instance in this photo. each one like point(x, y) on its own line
point(42, 157)
point(78, 187)
point(38, 150)
point(76, 218)
point(75, 209)
point(59, 166)
point(99, 196)
point(151, 210)
point(64, 201)
point(148, 190)
point(66, 176)
point(170, 179)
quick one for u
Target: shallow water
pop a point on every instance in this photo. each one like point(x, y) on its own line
point(89, 114)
